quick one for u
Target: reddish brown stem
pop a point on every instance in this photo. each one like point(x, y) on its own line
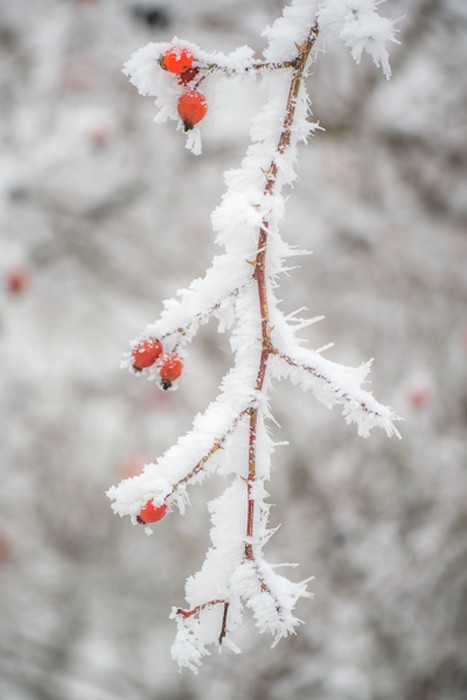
point(260, 276)
point(194, 611)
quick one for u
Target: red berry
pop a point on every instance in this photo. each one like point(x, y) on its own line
point(146, 353)
point(170, 370)
point(151, 514)
point(188, 75)
point(192, 107)
point(419, 396)
point(133, 466)
point(100, 135)
point(17, 280)
point(5, 550)
point(177, 60)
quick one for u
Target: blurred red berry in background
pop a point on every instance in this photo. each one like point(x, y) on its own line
point(17, 280)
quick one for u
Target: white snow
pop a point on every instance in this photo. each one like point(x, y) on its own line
point(358, 25)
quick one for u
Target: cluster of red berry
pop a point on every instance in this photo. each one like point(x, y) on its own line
point(192, 105)
point(192, 108)
point(146, 354)
point(150, 351)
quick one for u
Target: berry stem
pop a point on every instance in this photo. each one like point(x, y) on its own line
point(194, 611)
point(182, 330)
point(254, 65)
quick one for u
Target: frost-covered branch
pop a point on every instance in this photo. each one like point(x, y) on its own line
point(335, 384)
point(216, 446)
point(360, 28)
point(232, 436)
point(165, 481)
point(195, 306)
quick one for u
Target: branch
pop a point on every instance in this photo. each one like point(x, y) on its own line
point(195, 611)
point(216, 446)
point(194, 307)
point(339, 385)
point(164, 479)
point(233, 72)
point(257, 65)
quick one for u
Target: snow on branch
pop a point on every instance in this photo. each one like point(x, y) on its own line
point(334, 384)
point(358, 25)
point(232, 436)
point(182, 317)
point(189, 459)
point(270, 597)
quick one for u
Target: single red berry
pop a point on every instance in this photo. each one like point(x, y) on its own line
point(100, 135)
point(151, 513)
point(419, 396)
point(170, 370)
point(133, 466)
point(5, 550)
point(177, 59)
point(192, 107)
point(187, 76)
point(146, 353)
point(17, 280)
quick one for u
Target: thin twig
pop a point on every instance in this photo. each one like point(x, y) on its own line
point(194, 611)
point(182, 330)
point(254, 65)
point(224, 622)
point(318, 375)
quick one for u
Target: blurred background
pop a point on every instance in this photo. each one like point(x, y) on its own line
point(102, 215)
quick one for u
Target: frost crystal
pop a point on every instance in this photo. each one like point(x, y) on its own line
point(357, 24)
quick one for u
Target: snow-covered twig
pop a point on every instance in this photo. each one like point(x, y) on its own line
point(335, 384)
